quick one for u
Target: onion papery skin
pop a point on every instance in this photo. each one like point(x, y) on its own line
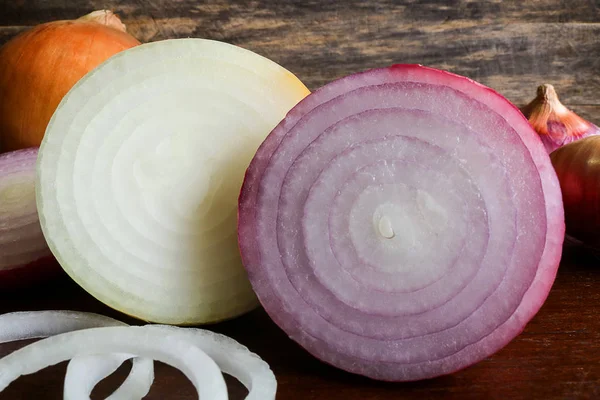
point(39, 66)
point(24, 255)
point(471, 204)
point(555, 123)
point(577, 166)
point(140, 170)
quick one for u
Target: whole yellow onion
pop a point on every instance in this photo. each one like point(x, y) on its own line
point(39, 66)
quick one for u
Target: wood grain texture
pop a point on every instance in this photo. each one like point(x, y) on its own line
point(556, 357)
point(512, 46)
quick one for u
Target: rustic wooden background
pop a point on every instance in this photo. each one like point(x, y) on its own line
point(512, 46)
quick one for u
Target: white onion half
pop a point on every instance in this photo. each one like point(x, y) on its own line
point(140, 170)
point(199, 354)
point(402, 223)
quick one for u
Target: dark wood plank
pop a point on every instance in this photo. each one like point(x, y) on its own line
point(556, 357)
point(33, 11)
point(511, 46)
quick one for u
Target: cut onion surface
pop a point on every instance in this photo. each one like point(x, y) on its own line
point(24, 254)
point(83, 373)
point(140, 169)
point(402, 223)
point(190, 350)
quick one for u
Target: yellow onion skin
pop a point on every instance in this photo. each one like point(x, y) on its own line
point(39, 66)
point(577, 166)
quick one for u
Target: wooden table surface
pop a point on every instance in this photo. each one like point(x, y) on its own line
point(512, 46)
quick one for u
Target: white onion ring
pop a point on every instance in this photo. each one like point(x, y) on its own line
point(84, 373)
point(79, 381)
point(233, 359)
point(200, 369)
point(88, 367)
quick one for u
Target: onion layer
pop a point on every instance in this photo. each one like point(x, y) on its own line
point(191, 350)
point(200, 369)
point(83, 373)
point(24, 254)
point(233, 359)
point(140, 169)
point(402, 223)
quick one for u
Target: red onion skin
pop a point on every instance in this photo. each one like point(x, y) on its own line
point(577, 166)
point(555, 123)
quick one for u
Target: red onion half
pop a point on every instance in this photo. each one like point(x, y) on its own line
point(24, 254)
point(402, 223)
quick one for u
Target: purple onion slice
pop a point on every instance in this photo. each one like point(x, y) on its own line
point(402, 223)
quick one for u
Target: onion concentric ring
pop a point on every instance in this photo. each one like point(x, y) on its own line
point(401, 223)
point(140, 169)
